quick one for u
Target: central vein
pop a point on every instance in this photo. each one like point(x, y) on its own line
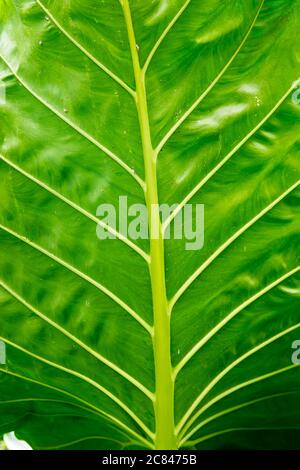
point(164, 394)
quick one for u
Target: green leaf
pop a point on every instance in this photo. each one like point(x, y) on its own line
point(135, 343)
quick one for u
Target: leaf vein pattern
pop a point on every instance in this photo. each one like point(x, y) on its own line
point(209, 88)
point(80, 343)
point(85, 51)
point(76, 271)
point(86, 379)
point(75, 127)
point(78, 208)
point(93, 408)
point(227, 243)
point(231, 366)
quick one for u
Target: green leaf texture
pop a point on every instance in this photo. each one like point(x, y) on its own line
point(122, 343)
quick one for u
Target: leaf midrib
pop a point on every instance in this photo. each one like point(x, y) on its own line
point(164, 392)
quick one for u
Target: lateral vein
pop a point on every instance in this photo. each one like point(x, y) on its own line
point(228, 242)
point(85, 51)
point(201, 183)
point(80, 209)
point(210, 87)
point(164, 34)
point(80, 343)
point(231, 366)
point(229, 317)
point(93, 408)
point(76, 271)
point(86, 379)
point(77, 441)
point(75, 127)
point(231, 391)
point(236, 408)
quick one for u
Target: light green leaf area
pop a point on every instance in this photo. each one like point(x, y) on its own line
point(124, 343)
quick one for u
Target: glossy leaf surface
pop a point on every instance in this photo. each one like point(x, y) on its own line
point(124, 343)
